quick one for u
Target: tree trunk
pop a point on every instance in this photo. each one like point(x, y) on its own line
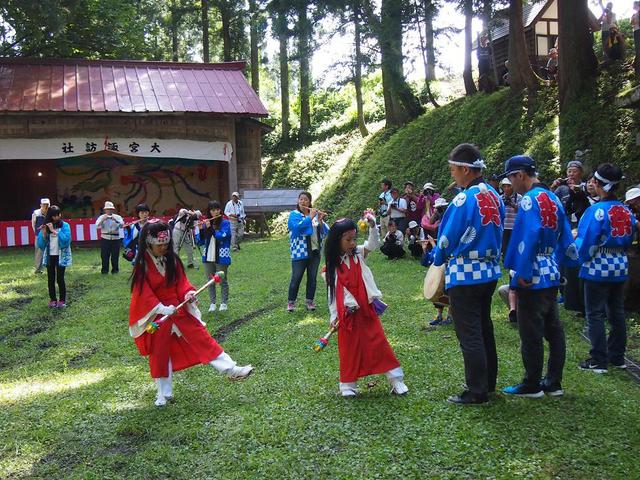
point(401, 105)
point(429, 11)
point(284, 79)
point(254, 41)
point(521, 75)
point(467, 74)
point(578, 69)
point(174, 30)
point(205, 31)
point(225, 17)
point(304, 37)
point(357, 78)
point(487, 10)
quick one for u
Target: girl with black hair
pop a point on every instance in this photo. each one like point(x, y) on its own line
point(354, 305)
point(158, 284)
point(132, 232)
point(215, 235)
point(307, 230)
point(54, 239)
point(605, 233)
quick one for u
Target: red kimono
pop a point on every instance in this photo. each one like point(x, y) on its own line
point(182, 338)
point(362, 344)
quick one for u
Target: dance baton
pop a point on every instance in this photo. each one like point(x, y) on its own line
point(324, 340)
point(218, 277)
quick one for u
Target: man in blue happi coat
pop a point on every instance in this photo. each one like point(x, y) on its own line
point(541, 241)
point(469, 240)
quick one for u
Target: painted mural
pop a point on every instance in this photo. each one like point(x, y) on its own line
point(166, 185)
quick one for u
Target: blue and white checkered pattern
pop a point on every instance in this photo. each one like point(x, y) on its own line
point(545, 272)
point(606, 267)
point(466, 271)
point(299, 248)
point(224, 252)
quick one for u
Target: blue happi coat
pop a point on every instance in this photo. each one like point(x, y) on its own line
point(605, 234)
point(541, 241)
point(222, 242)
point(64, 245)
point(470, 236)
point(300, 229)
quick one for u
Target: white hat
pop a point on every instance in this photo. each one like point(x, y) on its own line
point(108, 205)
point(235, 194)
point(429, 186)
point(413, 224)
point(440, 202)
point(45, 201)
point(505, 181)
point(631, 194)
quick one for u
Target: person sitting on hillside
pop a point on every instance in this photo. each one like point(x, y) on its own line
point(393, 242)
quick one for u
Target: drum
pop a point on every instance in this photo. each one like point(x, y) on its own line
point(434, 283)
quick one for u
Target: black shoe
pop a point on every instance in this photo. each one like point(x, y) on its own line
point(551, 389)
point(513, 316)
point(468, 398)
point(190, 265)
point(621, 366)
point(114, 271)
point(105, 273)
point(590, 364)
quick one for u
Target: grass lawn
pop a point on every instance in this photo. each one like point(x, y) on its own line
point(76, 399)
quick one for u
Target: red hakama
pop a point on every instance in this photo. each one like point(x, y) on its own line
point(362, 344)
point(182, 338)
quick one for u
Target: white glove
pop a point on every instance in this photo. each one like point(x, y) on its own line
point(166, 310)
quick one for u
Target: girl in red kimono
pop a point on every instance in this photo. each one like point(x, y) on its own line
point(353, 296)
point(158, 284)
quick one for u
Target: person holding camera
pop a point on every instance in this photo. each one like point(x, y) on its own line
point(383, 205)
point(398, 210)
point(392, 244)
point(37, 220)
point(54, 239)
point(182, 234)
point(132, 232)
point(109, 224)
point(234, 210)
point(511, 201)
point(607, 20)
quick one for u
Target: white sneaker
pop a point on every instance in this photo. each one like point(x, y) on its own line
point(223, 307)
point(240, 373)
point(161, 401)
point(212, 307)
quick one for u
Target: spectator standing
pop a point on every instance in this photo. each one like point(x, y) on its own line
point(182, 234)
point(415, 205)
point(234, 210)
point(37, 220)
point(511, 201)
point(384, 199)
point(635, 23)
point(607, 20)
point(552, 65)
point(109, 224)
point(398, 210)
point(54, 239)
point(429, 198)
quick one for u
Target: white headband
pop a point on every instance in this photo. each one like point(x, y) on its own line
point(478, 163)
point(608, 183)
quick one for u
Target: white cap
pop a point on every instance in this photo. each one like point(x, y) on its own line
point(631, 194)
point(235, 194)
point(108, 205)
point(45, 201)
point(429, 186)
point(505, 181)
point(440, 202)
point(413, 224)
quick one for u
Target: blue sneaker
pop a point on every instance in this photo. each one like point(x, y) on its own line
point(560, 299)
point(447, 321)
point(436, 321)
point(522, 390)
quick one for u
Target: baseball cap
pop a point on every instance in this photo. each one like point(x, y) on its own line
point(518, 163)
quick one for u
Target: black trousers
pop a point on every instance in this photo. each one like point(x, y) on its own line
point(538, 319)
point(109, 249)
point(470, 308)
point(56, 272)
point(392, 250)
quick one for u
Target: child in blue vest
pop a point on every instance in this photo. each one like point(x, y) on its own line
point(54, 239)
point(132, 233)
point(215, 235)
point(307, 231)
point(605, 233)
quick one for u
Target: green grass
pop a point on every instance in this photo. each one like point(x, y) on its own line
point(76, 399)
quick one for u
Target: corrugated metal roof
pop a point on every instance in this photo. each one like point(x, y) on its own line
point(48, 85)
point(529, 13)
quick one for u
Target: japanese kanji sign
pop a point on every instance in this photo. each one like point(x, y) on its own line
point(55, 148)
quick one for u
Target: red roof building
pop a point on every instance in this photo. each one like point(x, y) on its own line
point(85, 131)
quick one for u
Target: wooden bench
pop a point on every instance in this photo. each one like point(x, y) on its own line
point(258, 202)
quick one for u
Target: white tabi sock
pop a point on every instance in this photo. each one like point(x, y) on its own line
point(223, 363)
point(348, 389)
point(396, 379)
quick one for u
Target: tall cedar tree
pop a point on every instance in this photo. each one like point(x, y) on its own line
point(521, 75)
point(304, 35)
point(467, 74)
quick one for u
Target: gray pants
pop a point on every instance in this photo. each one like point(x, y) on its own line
point(187, 243)
point(237, 232)
point(384, 226)
point(37, 264)
point(209, 269)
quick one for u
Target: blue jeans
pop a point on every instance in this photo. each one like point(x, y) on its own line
point(298, 267)
point(605, 301)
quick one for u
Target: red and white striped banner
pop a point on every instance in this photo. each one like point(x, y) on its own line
point(20, 233)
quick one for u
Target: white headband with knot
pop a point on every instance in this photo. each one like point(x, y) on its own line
point(478, 163)
point(608, 183)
